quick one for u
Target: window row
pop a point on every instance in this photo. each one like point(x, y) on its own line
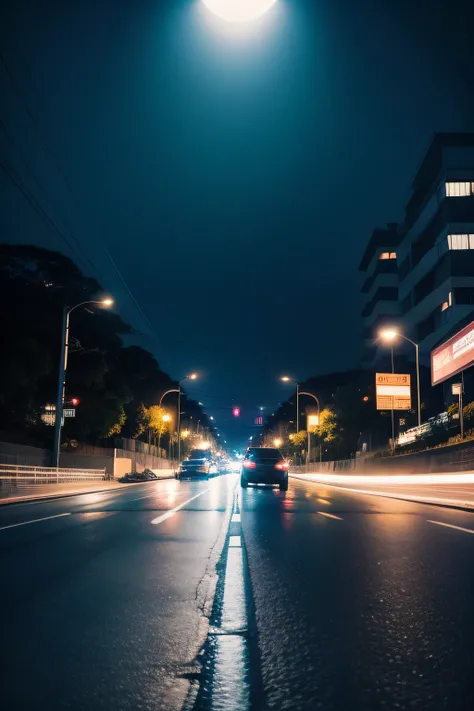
point(388, 255)
point(462, 241)
point(459, 189)
point(446, 304)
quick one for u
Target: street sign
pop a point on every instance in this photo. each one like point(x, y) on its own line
point(397, 379)
point(71, 412)
point(456, 388)
point(393, 391)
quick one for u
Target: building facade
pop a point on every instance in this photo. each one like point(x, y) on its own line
point(380, 306)
point(434, 252)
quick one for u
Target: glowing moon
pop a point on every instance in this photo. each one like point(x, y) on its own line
point(239, 10)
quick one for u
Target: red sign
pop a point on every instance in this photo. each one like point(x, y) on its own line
point(452, 357)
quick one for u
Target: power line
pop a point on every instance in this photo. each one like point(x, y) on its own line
point(16, 180)
point(38, 207)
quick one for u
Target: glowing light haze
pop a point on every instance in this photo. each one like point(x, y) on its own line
point(239, 10)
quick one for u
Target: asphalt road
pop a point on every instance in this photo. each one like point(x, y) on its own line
point(353, 601)
point(103, 596)
point(361, 602)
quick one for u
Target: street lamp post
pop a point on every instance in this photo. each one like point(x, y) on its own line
point(62, 372)
point(192, 376)
point(390, 336)
point(309, 434)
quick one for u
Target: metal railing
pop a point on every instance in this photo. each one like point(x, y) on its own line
point(23, 475)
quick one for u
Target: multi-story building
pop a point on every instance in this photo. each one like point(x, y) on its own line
point(435, 248)
point(380, 288)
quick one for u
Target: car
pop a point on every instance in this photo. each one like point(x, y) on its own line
point(264, 465)
point(198, 464)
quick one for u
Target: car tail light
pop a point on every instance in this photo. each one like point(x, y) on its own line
point(248, 464)
point(283, 466)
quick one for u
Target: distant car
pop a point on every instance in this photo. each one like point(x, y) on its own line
point(264, 465)
point(199, 464)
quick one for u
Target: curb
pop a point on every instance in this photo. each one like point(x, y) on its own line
point(49, 497)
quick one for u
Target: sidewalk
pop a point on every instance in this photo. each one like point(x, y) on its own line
point(51, 491)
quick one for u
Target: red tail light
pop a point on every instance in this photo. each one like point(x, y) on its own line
point(283, 466)
point(248, 464)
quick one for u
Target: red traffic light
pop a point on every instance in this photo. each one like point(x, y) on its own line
point(75, 401)
point(236, 411)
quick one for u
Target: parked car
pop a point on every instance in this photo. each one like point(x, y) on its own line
point(264, 465)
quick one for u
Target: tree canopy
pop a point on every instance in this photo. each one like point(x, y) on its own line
point(113, 381)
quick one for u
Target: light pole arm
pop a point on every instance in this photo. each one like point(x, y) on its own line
point(172, 390)
point(83, 303)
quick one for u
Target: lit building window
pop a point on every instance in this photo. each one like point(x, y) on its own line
point(461, 241)
point(393, 255)
point(388, 255)
point(450, 298)
point(459, 189)
point(444, 306)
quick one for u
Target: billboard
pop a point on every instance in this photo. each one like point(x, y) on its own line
point(393, 391)
point(452, 357)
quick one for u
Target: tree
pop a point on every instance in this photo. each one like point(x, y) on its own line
point(110, 380)
point(156, 422)
point(468, 411)
point(327, 429)
point(299, 439)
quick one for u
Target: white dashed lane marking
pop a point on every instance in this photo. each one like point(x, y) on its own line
point(450, 525)
point(36, 520)
point(328, 515)
point(172, 512)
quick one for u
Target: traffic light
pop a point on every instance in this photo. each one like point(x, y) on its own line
point(75, 401)
point(236, 411)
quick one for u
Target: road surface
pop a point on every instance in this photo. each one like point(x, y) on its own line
point(330, 600)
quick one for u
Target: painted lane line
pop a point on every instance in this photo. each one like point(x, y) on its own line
point(235, 518)
point(172, 512)
point(450, 525)
point(328, 515)
point(235, 542)
point(36, 520)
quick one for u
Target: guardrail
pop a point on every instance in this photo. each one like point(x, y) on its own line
point(22, 475)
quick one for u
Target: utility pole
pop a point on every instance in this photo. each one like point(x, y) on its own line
point(61, 385)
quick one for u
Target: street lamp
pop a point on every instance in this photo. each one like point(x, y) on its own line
point(286, 379)
point(239, 10)
point(309, 434)
point(277, 442)
point(191, 376)
point(389, 336)
point(105, 303)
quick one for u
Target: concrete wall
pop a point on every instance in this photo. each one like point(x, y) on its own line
point(87, 457)
point(141, 461)
point(122, 466)
point(455, 458)
point(83, 461)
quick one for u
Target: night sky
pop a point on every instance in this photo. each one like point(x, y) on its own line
point(233, 174)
